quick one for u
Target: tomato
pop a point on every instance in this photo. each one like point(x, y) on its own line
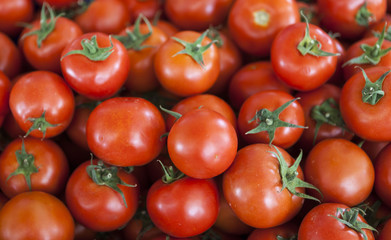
point(185, 68)
point(13, 12)
point(382, 175)
point(286, 231)
point(105, 16)
point(43, 42)
point(114, 191)
point(142, 40)
point(125, 131)
point(252, 78)
point(341, 170)
point(372, 107)
point(36, 215)
point(185, 207)
point(166, 26)
point(322, 223)
point(373, 148)
point(58, 3)
point(32, 164)
point(385, 233)
point(197, 16)
point(303, 56)
point(95, 65)
point(148, 8)
point(253, 186)
point(271, 116)
point(5, 88)
point(253, 24)
point(42, 104)
point(202, 143)
point(350, 18)
point(10, 57)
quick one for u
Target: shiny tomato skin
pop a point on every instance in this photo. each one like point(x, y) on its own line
point(252, 187)
point(181, 74)
point(107, 211)
point(39, 91)
point(10, 57)
point(13, 12)
point(372, 123)
point(49, 158)
point(184, 208)
point(198, 137)
point(95, 79)
point(319, 224)
point(47, 56)
point(125, 131)
point(382, 175)
point(302, 72)
point(256, 38)
point(36, 215)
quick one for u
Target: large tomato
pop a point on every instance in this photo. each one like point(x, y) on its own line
point(13, 12)
point(36, 215)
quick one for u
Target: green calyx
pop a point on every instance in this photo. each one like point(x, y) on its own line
point(107, 176)
point(289, 178)
point(46, 26)
point(215, 36)
point(195, 50)
point(75, 9)
point(387, 33)
point(269, 121)
point(171, 174)
point(373, 91)
point(311, 46)
point(364, 16)
point(371, 54)
point(176, 115)
point(39, 124)
point(327, 113)
point(26, 165)
point(370, 213)
point(294, 237)
point(134, 40)
point(92, 51)
point(349, 218)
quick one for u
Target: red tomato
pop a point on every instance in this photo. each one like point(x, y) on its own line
point(286, 231)
point(36, 215)
point(199, 15)
point(100, 70)
point(33, 164)
point(321, 224)
point(76, 130)
point(185, 207)
point(383, 175)
point(114, 193)
point(372, 108)
point(5, 88)
point(125, 131)
point(13, 12)
point(202, 143)
point(58, 3)
point(42, 104)
point(180, 73)
point(385, 233)
point(148, 8)
point(277, 123)
point(10, 57)
point(253, 24)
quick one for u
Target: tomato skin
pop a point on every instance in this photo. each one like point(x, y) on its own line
point(36, 215)
point(382, 175)
point(199, 136)
point(181, 74)
point(10, 57)
point(108, 211)
point(47, 56)
point(148, 8)
point(57, 3)
point(49, 158)
point(39, 91)
point(250, 195)
point(256, 39)
point(12, 12)
point(302, 72)
point(5, 89)
point(341, 170)
point(125, 131)
point(76, 130)
point(171, 206)
point(286, 230)
point(284, 137)
point(372, 124)
point(319, 224)
point(95, 79)
point(385, 233)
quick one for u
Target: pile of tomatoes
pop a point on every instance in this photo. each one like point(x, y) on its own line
point(205, 119)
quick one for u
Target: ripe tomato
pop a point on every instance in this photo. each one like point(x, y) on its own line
point(187, 63)
point(202, 143)
point(32, 164)
point(364, 98)
point(42, 104)
point(382, 175)
point(10, 57)
point(321, 224)
point(58, 3)
point(5, 88)
point(148, 8)
point(185, 207)
point(95, 65)
point(125, 131)
point(265, 117)
point(114, 192)
point(13, 12)
point(286, 231)
point(385, 233)
point(36, 215)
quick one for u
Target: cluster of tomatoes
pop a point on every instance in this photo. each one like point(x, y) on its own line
point(206, 119)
